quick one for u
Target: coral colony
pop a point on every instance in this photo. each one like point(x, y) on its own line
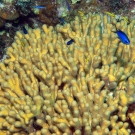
point(68, 67)
point(48, 88)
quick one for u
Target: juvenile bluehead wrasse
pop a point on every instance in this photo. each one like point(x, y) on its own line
point(124, 18)
point(40, 7)
point(81, 13)
point(24, 30)
point(122, 36)
point(70, 42)
point(111, 14)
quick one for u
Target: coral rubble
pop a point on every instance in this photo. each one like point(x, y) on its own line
point(48, 88)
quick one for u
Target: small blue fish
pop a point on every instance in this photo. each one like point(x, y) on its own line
point(70, 42)
point(68, 5)
point(122, 36)
point(40, 7)
point(24, 30)
point(62, 21)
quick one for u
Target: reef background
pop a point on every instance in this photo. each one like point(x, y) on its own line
point(17, 14)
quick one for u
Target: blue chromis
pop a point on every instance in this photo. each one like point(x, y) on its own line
point(24, 30)
point(40, 7)
point(62, 21)
point(68, 5)
point(122, 36)
point(70, 42)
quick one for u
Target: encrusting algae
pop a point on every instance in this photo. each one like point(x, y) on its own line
point(48, 88)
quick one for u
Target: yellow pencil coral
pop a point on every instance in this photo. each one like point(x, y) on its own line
point(48, 88)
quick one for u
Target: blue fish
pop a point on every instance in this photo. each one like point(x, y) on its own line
point(40, 7)
point(62, 21)
point(24, 30)
point(70, 42)
point(68, 5)
point(122, 36)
